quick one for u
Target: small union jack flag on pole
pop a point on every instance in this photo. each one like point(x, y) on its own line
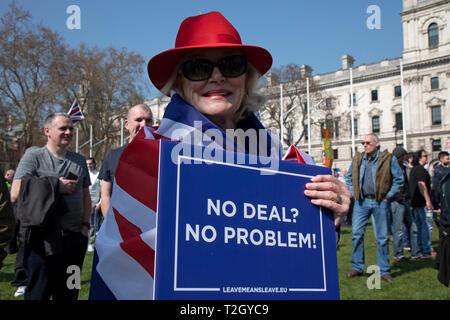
point(75, 113)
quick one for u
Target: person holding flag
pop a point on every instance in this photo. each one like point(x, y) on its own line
point(211, 78)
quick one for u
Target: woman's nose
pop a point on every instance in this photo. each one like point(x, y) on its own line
point(217, 75)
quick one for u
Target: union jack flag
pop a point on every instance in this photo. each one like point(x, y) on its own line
point(123, 266)
point(75, 113)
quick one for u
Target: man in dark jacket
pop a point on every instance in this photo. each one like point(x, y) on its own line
point(7, 221)
point(440, 171)
point(402, 215)
point(443, 252)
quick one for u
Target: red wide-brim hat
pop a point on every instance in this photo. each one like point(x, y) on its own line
point(210, 30)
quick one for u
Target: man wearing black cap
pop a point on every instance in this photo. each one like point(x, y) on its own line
point(402, 215)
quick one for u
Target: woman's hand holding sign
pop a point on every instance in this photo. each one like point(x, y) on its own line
point(329, 192)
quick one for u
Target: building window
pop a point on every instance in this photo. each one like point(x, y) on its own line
point(374, 95)
point(329, 123)
point(328, 102)
point(336, 128)
point(398, 121)
point(375, 124)
point(354, 99)
point(335, 154)
point(398, 91)
point(433, 35)
point(434, 83)
point(355, 125)
point(436, 117)
point(436, 145)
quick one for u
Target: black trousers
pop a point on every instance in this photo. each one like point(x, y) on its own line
point(16, 246)
point(20, 276)
point(48, 275)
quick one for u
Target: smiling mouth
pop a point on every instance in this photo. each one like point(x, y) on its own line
point(217, 93)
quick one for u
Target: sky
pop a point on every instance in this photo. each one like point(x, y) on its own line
point(312, 32)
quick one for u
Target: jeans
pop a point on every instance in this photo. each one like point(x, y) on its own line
point(406, 239)
point(95, 221)
point(423, 230)
point(430, 222)
point(402, 220)
point(362, 211)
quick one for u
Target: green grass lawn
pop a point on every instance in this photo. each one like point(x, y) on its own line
point(413, 280)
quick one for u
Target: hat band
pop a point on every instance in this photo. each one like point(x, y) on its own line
point(212, 39)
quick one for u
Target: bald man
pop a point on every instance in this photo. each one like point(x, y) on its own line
point(137, 117)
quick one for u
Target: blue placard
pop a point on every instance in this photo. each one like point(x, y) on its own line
point(241, 231)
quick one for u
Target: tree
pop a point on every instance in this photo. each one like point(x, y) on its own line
point(293, 79)
point(26, 93)
point(40, 74)
point(105, 82)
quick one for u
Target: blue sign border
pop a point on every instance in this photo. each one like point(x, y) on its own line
point(170, 183)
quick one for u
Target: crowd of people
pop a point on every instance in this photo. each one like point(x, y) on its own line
point(64, 193)
point(59, 198)
point(397, 190)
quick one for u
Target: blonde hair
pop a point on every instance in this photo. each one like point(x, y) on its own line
point(253, 100)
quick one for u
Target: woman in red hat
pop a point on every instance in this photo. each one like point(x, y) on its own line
point(212, 71)
point(210, 76)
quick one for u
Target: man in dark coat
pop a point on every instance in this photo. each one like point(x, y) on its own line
point(7, 221)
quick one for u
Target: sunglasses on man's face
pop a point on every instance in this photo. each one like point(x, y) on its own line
point(366, 143)
point(202, 69)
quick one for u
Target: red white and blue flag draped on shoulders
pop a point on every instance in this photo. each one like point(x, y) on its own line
point(124, 256)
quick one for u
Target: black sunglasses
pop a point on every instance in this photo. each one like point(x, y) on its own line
point(366, 142)
point(202, 69)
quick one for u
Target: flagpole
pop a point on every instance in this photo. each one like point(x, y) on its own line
point(281, 116)
point(405, 146)
point(76, 140)
point(309, 116)
point(352, 112)
point(121, 132)
point(90, 143)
